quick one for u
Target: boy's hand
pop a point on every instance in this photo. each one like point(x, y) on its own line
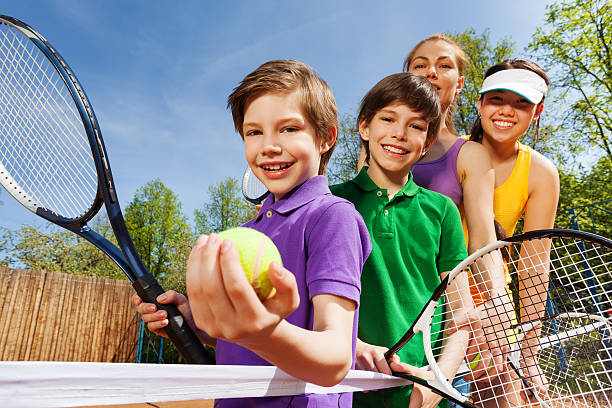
point(223, 302)
point(369, 357)
point(158, 319)
point(421, 396)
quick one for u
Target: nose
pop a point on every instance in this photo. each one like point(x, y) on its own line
point(399, 131)
point(270, 145)
point(506, 109)
point(431, 72)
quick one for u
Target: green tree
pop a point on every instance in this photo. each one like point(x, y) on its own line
point(56, 250)
point(482, 52)
point(343, 163)
point(575, 47)
point(158, 227)
point(225, 208)
point(579, 191)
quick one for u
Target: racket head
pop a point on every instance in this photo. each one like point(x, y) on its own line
point(554, 316)
point(253, 189)
point(48, 131)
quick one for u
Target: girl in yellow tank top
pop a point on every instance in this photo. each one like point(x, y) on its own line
point(526, 183)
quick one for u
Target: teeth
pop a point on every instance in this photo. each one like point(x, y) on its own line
point(394, 150)
point(502, 123)
point(276, 167)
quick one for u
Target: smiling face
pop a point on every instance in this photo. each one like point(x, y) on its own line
point(505, 116)
point(436, 61)
point(281, 145)
point(397, 138)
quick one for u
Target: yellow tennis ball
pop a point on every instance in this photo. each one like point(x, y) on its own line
point(256, 252)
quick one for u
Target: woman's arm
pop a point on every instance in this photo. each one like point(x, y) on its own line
point(477, 179)
point(543, 194)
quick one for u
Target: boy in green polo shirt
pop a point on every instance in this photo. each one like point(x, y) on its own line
point(416, 233)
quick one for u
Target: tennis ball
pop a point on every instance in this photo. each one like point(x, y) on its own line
point(256, 252)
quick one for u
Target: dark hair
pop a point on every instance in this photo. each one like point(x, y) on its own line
point(285, 76)
point(477, 132)
point(412, 90)
point(462, 61)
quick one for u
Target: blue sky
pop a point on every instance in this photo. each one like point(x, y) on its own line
point(158, 72)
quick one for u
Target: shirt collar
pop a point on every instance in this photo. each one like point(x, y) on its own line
point(365, 183)
point(297, 197)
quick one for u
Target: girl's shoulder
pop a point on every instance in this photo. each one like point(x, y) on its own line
point(473, 156)
point(543, 171)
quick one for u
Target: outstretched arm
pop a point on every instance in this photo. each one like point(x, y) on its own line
point(226, 307)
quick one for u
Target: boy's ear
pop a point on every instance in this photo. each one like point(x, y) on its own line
point(331, 140)
point(364, 131)
point(428, 143)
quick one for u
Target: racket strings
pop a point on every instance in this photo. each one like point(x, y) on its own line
point(252, 188)
point(45, 158)
point(552, 319)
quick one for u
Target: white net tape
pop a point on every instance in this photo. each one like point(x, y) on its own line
point(44, 150)
point(63, 384)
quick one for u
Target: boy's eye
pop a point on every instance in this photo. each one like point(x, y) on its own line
point(419, 127)
point(290, 129)
point(252, 133)
point(386, 119)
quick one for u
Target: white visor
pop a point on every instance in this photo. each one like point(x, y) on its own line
point(521, 81)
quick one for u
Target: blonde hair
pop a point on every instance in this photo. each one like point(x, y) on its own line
point(285, 76)
point(463, 63)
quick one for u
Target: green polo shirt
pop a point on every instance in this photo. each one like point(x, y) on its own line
point(416, 235)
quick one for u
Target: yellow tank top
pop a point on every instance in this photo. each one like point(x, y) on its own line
point(510, 198)
point(509, 202)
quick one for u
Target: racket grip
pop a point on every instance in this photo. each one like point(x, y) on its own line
point(179, 332)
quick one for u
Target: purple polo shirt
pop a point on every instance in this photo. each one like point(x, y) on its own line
point(323, 240)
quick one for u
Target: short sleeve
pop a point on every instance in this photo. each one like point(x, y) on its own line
point(452, 241)
point(338, 243)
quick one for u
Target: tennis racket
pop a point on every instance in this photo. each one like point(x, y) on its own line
point(553, 321)
point(53, 160)
point(253, 189)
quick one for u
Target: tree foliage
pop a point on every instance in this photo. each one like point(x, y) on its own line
point(575, 47)
point(159, 230)
point(225, 208)
point(55, 250)
point(587, 197)
point(343, 163)
point(482, 52)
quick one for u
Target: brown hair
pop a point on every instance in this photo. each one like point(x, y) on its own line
point(477, 132)
point(413, 90)
point(285, 76)
point(463, 63)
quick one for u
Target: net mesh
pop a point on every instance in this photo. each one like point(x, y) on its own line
point(45, 158)
point(553, 319)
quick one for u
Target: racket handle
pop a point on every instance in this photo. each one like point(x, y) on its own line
point(179, 332)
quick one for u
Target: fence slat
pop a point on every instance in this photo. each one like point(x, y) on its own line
point(60, 317)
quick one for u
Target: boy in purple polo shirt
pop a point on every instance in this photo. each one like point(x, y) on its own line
point(287, 118)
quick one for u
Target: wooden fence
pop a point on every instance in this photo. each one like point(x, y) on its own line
point(59, 317)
